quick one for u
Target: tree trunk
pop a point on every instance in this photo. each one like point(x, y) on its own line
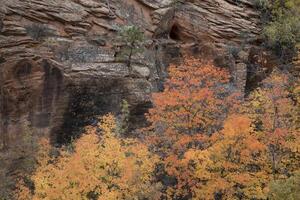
point(129, 60)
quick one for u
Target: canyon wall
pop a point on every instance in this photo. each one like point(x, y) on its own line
point(58, 68)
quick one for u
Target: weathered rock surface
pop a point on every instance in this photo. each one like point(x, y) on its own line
point(57, 64)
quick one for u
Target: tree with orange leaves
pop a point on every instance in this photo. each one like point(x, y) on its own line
point(192, 106)
point(193, 100)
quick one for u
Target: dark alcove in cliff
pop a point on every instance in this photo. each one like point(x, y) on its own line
point(175, 33)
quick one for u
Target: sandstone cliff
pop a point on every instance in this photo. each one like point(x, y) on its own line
point(57, 62)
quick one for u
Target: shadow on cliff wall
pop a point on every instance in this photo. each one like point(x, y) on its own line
point(86, 103)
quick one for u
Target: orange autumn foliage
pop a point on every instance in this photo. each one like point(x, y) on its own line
point(242, 159)
point(192, 106)
point(105, 168)
point(237, 163)
point(199, 160)
point(193, 99)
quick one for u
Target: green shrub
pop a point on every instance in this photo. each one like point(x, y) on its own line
point(38, 31)
point(283, 34)
point(281, 25)
point(262, 5)
point(131, 39)
point(285, 189)
point(124, 118)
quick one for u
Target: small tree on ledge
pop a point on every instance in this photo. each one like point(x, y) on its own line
point(131, 40)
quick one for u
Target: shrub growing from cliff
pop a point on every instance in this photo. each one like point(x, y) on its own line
point(123, 124)
point(283, 34)
point(131, 40)
point(38, 31)
point(282, 27)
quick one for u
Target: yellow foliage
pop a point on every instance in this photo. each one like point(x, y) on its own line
point(244, 161)
point(236, 159)
point(270, 105)
point(106, 168)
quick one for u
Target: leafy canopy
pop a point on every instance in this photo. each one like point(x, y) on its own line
point(105, 167)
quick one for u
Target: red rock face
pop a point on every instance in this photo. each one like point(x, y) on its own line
point(31, 92)
point(49, 49)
